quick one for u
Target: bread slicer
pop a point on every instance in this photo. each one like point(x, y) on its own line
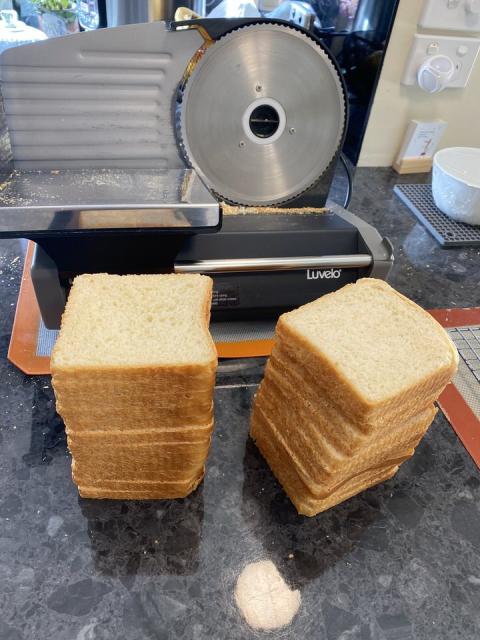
point(121, 147)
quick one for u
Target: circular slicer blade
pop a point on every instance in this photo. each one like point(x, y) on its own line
point(262, 115)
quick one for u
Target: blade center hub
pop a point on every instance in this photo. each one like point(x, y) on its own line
point(264, 121)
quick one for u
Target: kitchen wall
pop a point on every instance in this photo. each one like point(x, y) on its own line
point(395, 105)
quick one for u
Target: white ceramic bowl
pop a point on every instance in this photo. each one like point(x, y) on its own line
point(456, 183)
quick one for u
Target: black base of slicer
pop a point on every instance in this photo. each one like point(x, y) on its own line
point(237, 295)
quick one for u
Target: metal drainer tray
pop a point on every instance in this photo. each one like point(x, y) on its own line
point(449, 233)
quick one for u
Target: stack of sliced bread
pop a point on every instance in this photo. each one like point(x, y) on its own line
point(133, 371)
point(348, 392)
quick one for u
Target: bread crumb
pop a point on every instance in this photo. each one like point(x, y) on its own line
point(236, 210)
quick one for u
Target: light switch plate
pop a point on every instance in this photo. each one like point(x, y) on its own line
point(451, 15)
point(463, 52)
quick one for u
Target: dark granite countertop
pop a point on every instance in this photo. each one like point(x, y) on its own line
point(400, 561)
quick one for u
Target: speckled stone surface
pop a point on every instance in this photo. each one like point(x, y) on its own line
point(399, 562)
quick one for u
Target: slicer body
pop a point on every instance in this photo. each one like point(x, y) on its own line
point(120, 147)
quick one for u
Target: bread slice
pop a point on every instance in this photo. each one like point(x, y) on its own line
point(370, 349)
point(284, 366)
point(134, 490)
point(121, 418)
point(309, 506)
point(137, 460)
point(109, 437)
point(188, 380)
point(161, 491)
point(305, 501)
point(120, 324)
point(309, 464)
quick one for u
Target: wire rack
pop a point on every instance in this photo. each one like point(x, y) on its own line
point(467, 341)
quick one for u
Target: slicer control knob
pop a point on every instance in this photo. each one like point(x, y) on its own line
point(435, 73)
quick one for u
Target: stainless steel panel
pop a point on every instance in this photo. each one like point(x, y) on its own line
point(84, 199)
point(99, 98)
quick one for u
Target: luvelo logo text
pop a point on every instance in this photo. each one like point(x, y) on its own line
point(320, 274)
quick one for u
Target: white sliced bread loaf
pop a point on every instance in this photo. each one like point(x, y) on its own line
point(370, 349)
point(348, 392)
point(135, 363)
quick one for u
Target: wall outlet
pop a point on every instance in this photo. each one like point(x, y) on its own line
point(453, 15)
point(463, 52)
